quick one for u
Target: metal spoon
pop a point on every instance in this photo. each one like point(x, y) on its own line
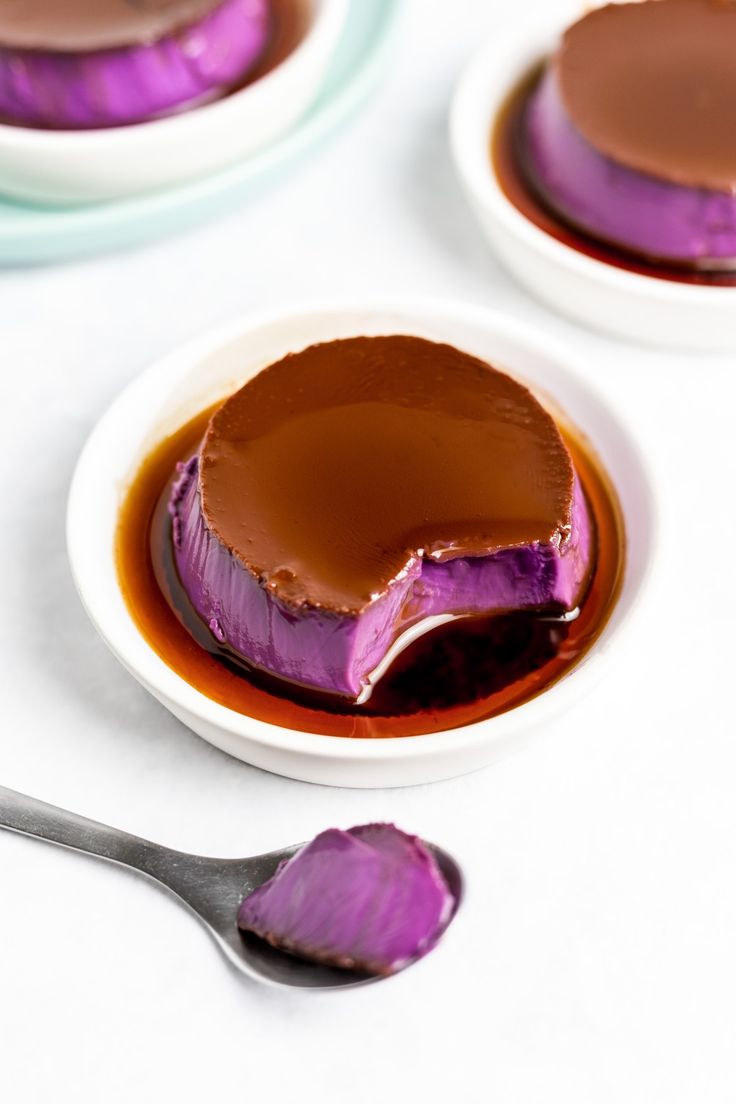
point(211, 888)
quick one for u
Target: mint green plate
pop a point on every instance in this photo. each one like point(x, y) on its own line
point(39, 235)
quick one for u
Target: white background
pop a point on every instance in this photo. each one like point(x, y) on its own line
point(595, 958)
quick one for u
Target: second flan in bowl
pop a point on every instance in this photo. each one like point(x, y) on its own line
point(597, 155)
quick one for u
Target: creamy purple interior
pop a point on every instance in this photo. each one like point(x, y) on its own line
point(335, 652)
point(371, 899)
point(642, 214)
point(114, 87)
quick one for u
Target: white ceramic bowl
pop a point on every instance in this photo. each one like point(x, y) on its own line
point(86, 166)
point(624, 303)
point(172, 391)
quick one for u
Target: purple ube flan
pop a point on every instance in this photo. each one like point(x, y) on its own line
point(629, 135)
point(372, 899)
point(361, 491)
point(74, 64)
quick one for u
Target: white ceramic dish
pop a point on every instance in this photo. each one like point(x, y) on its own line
point(94, 165)
point(176, 388)
point(626, 304)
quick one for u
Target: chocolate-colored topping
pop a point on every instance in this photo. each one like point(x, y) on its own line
point(335, 466)
point(77, 25)
point(653, 86)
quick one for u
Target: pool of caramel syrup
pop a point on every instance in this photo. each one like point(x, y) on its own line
point(509, 159)
point(289, 24)
point(462, 672)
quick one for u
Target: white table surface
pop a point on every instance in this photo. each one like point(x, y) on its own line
point(595, 958)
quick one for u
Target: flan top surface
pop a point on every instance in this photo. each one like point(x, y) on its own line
point(653, 86)
point(74, 25)
point(332, 469)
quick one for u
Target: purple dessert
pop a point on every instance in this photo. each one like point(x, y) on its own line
point(357, 494)
point(341, 653)
point(372, 899)
point(74, 65)
point(629, 134)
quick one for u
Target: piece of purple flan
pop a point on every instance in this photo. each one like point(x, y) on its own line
point(371, 899)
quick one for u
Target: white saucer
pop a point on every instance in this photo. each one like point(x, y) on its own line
point(185, 382)
point(90, 166)
point(642, 308)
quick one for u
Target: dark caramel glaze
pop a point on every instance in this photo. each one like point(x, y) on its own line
point(653, 86)
point(74, 25)
point(332, 468)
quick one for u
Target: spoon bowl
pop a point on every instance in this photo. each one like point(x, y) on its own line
point(210, 888)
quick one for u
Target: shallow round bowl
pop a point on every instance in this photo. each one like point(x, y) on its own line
point(88, 166)
point(171, 392)
point(639, 307)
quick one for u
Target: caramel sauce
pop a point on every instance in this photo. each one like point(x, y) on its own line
point(444, 453)
point(651, 86)
point(290, 21)
point(508, 158)
point(463, 672)
point(81, 25)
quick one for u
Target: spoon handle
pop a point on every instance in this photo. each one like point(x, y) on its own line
point(31, 817)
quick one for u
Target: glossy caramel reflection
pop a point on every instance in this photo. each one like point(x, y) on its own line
point(332, 468)
point(94, 24)
point(653, 86)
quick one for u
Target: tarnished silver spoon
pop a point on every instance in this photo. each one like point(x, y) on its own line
point(210, 888)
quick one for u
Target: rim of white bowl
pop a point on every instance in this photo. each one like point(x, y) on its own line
point(485, 84)
point(326, 20)
point(105, 605)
